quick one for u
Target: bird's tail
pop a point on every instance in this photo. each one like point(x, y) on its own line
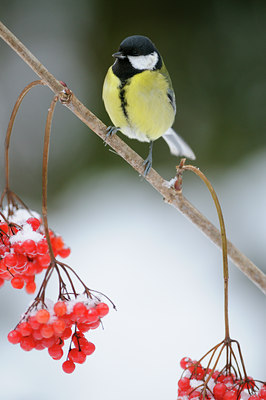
point(177, 145)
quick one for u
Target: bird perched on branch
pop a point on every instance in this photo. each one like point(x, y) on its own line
point(139, 97)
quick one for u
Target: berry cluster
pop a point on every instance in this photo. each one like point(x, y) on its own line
point(50, 327)
point(220, 386)
point(24, 250)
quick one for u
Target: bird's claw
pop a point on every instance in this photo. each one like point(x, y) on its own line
point(110, 131)
point(147, 166)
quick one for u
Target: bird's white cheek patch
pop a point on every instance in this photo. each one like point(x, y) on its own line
point(144, 62)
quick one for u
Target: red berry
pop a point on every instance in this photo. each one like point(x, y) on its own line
point(184, 383)
point(39, 346)
point(79, 340)
point(60, 308)
point(57, 243)
point(193, 366)
point(44, 260)
point(254, 397)
point(219, 391)
point(14, 337)
point(66, 334)
point(77, 356)
point(42, 247)
point(230, 395)
point(79, 309)
point(102, 309)
point(83, 327)
point(34, 323)
point(21, 262)
point(25, 329)
point(31, 268)
point(18, 248)
point(215, 375)
point(30, 287)
point(262, 393)
point(55, 351)
point(94, 325)
point(92, 316)
point(29, 246)
point(73, 355)
point(34, 222)
point(47, 331)
point(88, 348)
point(10, 260)
point(27, 343)
point(42, 316)
point(59, 326)
point(68, 366)
point(3, 227)
point(64, 252)
point(185, 362)
point(17, 283)
point(5, 241)
point(48, 342)
point(2, 281)
point(199, 373)
point(220, 378)
point(36, 334)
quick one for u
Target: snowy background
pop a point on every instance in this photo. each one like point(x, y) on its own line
point(164, 275)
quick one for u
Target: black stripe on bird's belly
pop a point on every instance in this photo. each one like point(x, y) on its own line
point(122, 93)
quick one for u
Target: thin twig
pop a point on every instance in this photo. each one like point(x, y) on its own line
point(223, 236)
point(11, 123)
point(170, 195)
point(45, 174)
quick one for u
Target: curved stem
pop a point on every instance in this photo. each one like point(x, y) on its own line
point(11, 123)
point(65, 267)
point(213, 369)
point(45, 173)
point(241, 357)
point(224, 240)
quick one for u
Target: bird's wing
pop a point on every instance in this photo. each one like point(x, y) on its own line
point(170, 91)
point(171, 97)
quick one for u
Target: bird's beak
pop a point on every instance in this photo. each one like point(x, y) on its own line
point(118, 54)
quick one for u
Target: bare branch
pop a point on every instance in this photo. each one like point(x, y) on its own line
point(171, 196)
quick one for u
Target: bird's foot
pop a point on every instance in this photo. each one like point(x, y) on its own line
point(110, 131)
point(147, 165)
point(148, 162)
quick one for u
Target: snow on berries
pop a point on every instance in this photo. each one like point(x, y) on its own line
point(219, 386)
point(24, 250)
point(49, 327)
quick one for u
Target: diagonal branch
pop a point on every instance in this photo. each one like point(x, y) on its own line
point(170, 195)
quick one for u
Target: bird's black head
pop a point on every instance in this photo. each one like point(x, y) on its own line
point(137, 45)
point(136, 54)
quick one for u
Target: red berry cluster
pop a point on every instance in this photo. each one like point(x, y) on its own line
point(24, 249)
point(219, 387)
point(50, 327)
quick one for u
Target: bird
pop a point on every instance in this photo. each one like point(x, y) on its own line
point(139, 98)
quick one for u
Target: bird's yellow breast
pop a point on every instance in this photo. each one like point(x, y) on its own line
point(111, 98)
point(141, 108)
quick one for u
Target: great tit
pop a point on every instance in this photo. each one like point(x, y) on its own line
point(139, 98)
